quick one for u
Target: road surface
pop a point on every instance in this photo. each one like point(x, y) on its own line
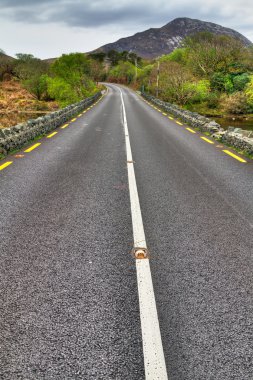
point(69, 294)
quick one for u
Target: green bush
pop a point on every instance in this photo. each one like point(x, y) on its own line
point(213, 100)
point(249, 92)
point(222, 82)
point(124, 72)
point(30, 71)
point(61, 91)
point(178, 55)
point(228, 84)
point(240, 81)
point(37, 85)
point(199, 91)
point(70, 81)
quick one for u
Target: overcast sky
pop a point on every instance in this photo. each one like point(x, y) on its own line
point(48, 28)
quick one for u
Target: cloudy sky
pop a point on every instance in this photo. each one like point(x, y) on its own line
point(48, 28)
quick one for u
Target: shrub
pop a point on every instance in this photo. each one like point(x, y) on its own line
point(222, 82)
point(62, 91)
point(178, 55)
point(213, 100)
point(240, 81)
point(236, 103)
point(249, 92)
point(199, 91)
point(124, 72)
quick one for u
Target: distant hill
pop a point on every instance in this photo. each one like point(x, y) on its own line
point(49, 60)
point(155, 42)
point(6, 58)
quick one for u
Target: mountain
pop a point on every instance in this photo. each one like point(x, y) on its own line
point(155, 42)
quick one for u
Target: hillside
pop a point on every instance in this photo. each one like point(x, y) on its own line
point(155, 42)
point(6, 58)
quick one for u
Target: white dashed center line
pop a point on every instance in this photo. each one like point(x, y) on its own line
point(154, 362)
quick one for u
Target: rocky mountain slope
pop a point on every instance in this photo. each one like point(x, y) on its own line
point(155, 42)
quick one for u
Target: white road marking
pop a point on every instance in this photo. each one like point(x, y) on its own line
point(154, 361)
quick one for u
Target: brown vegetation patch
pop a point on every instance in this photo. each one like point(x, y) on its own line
point(17, 105)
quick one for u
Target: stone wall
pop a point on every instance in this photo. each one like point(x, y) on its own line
point(236, 137)
point(18, 136)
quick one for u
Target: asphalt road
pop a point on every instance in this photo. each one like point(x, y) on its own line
point(68, 291)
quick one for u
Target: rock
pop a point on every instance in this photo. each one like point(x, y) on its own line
point(246, 133)
point(218, 135)
point(238, 130)
point(2, 135)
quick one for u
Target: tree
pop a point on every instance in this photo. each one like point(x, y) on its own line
point(100, 56)
point(208, 53)
point(124, 72)
point(70, 78)
point(172, 84)
point(29, 70)
point(249, 92)
point(62, 91)
point(179, 55)
point(6, 65)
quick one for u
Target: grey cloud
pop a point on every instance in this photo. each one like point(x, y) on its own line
point(23, 3)
point(88, 17)
point(127, 14)
point(88, 14)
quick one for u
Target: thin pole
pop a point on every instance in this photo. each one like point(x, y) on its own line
point(157, 79)
point(136, 71)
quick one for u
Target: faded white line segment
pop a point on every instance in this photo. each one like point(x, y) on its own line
point(154, 361)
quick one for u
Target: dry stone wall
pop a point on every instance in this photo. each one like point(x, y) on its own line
point(235, 137)
point(18, 136)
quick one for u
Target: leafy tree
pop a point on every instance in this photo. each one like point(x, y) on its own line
point(124, 72)
point(240, 81)
point(100, 56)
point(37, 85)
point(208, 53)
point(70, 78)
point(114, 57)
point(29, 70)
point(62, 91)
point(199, 91)
point(178, 55)
point(144, 76)
point(6, 65)
point(172, 84)
point(97, 70)
point(249, 92)
point(25, 57)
